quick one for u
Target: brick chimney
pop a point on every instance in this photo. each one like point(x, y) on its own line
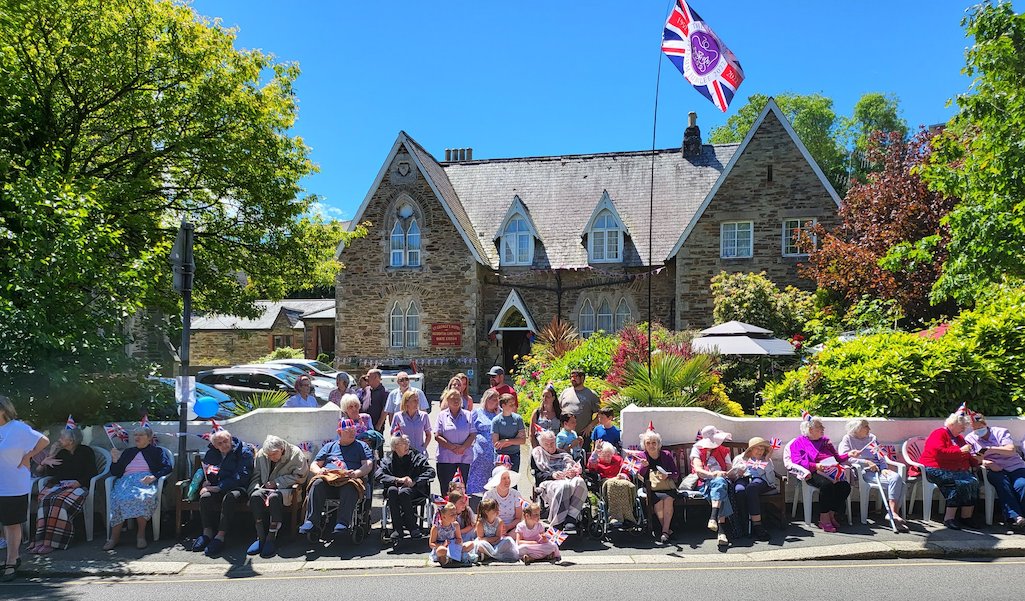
point(691, 137)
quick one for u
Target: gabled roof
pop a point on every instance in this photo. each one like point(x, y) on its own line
point(562, 192)
point(516, 207)
point(440, 185)
point(514, 302)
point(294, 311)
point(604, 204)
point(770, 107)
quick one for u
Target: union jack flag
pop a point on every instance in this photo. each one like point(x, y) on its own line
point(775, 444)
point(538, 429)
point(556, 536)
point(396, 430)
point(836, 472)
point(439, 504)
point(503, 460)
point(346, 424)
point(524, 503)
point(144, 422)
point(805, 415)
point(963, 409)
point(703, 59)
point(214, 426)
point(757, 464)
point(70, 425)
point(457, 477)
point(699, 436)
point(632, 465)
point(212, 470)
point(115, 431)
point(306, 446)
point(888, 450)
point(338, 464)
point(651, 426)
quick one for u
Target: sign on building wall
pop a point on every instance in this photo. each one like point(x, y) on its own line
point(446, 334)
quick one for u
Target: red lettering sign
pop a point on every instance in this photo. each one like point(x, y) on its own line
point(446, 334)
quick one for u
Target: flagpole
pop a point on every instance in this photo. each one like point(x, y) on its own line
point(651, 188)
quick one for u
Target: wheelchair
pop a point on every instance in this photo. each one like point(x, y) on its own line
point(424, 517)
point(585, 523)
point(359, 524)
point(598, 510)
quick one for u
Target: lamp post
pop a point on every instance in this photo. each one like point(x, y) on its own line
point(184, 267)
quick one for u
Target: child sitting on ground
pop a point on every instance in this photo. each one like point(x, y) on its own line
point(531, 541)
point(446, 543)
point(606, 429)
point(464, 515)
point(567, 440)
point(489, 543)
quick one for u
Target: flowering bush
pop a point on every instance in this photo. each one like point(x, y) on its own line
point(633, 346)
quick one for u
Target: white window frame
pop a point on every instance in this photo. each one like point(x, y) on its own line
point(511, 241)
point(787, 236)
point(412, 326)
point(396, 334)
point(737, 252)
point(605, 319)
point(623, 315)
point(586, 313)
point(397, 254)
point(413, 235)
point(603, 233)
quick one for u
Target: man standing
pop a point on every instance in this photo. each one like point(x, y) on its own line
point(580, 401)
point(394, 404)
point(496, 375)
point(378, 399)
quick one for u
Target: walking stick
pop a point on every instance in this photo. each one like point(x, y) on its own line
point(886, 500)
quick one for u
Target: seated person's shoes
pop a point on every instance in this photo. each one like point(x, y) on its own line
point(396, 535)
point(255, 548)
point(269, 548)
point(201, 543)
point(416, 533)
point(306, 527)
point(214, 548)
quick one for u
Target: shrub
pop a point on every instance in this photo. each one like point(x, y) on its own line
point(99, 398)
point(753, 298)
point(593, 355)
point(283, 352)
point(270, 399)
point(674, 382)
point(633, 346)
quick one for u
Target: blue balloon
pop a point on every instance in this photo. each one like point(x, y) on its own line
point(205, 407)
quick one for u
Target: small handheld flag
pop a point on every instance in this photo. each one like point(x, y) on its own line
point(346, 424)
point(805, 415)
point(524, 503)
point(775, 444)
point(701, 56)
point(757, 464)
point(214, 426)
point(70, 425)
point(504, 460)
point(556, 536)
point(212, 470)
point(651, 426)
point(963, 409)
point(888, 450)
point(457, 477)
point(699, 436)
point(338, 464)
point(538, 429)
point(439, 503)
point(144, 422)
point(396, 430)
point(306, 446)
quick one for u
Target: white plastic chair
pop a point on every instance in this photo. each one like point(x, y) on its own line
point(807, 493)
point(102, 470)
point(155, 518)
point(865, 489)
point(912, 450)
point(989, 493)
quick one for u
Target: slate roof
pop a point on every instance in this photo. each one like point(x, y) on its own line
point(294, 310)
point(561, 192)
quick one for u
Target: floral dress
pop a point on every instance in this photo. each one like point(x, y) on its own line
point(483, 451)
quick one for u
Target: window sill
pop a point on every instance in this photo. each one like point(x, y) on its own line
point(736, 258)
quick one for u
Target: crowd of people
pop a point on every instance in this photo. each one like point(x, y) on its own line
point(574, 443)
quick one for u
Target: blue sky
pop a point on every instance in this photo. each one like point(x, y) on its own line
point(545, 77)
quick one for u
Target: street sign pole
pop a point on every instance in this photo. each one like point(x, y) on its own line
point(184, 267)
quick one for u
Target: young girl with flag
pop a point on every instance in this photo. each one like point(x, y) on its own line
point(531, 540)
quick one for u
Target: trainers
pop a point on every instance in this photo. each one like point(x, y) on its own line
point(213, 549)
point(416, 533)
point(201, 543)
point(396, 535)
point(722, 541)
point(306, 527)
point(713, 525)
point(341, 528)
point(3, 543)
point(255, 548)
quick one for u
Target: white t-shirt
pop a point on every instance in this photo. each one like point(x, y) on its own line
point(16, 440)
point(506, 505)
point(395, 399)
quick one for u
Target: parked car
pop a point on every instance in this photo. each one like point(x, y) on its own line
point(202, 390)
point(390, 371)
point(243, 382)
point(311, 366)
point(322, 386)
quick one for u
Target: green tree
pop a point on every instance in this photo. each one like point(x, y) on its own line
point(876, 117)
point(753, 298)
point(812, 117)
point(980, 159)
point(119, 118)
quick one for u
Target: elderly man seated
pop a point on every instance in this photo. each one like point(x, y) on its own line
point(406, 477)
point(338, 471)
point(558, 477)
point(1005, 469)
point(228, 467)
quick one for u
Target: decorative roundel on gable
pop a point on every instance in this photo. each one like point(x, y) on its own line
point(405, 210)
point(403, 170)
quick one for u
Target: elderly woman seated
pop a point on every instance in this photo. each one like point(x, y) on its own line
point(228, 468)
point(135, 493)
point(616, 485)
point(756, 475)
point(813, 452)
point(711, 462)
point(70, 466)
point(558, 477)
point(279, 465)
point(949, 461)
point(406, 477)
point(1005, 469)
point(365, 431)
point(660, 475)
point(859, 436)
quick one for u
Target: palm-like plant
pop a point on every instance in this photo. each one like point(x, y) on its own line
point(558, 337)
point(673, 382)
point(271, 399)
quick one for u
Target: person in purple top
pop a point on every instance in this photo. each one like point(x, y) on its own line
point(813, 451)
point(658, 466)
point(455, 434)
point(1005, 469)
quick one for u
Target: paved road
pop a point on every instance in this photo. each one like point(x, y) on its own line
point(908, 579)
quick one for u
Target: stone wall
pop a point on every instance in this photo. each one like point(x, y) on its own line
point(232, 347)
point(747, 194)
point(445, 287)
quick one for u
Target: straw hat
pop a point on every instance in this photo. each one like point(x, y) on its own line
point(496, 476)
point(712, 437)
point(758, 441)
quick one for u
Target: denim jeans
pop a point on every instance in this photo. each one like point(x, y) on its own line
point(1010, 490)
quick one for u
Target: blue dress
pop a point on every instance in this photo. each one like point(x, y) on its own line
point(483, 451)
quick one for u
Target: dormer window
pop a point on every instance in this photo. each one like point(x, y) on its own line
point(404, 239)
point(606, 239)
point(517, 242)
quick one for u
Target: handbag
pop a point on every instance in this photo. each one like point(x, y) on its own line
point(660, 481)
point(194, 485)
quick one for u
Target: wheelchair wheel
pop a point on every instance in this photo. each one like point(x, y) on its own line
point(359, 533)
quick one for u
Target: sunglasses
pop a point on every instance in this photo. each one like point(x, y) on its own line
point(403, 379)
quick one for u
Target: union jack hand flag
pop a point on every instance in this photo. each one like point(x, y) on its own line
point(306, 446)
point(757, 464)
point(963, 409)
point(538, 429)
point(503, 460)
point(775, 444)
point(212, 470)
point(873, 447)
point(703, 58)
point(524, 503)
point(339, 464)
point(346, 424)
point(836, 472)
point(457, 477)
point(70, 425)
point(805, 415)
point(214, 426)
point(888, 450)
point(556, 536)
point(396, 430)
point(699, 436)
point(439, 504)
point(144, 422)
point(651, 426)
point(120, 432)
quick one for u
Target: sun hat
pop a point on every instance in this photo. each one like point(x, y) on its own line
point(711, 437)
point(496, 476)
point(757, 441)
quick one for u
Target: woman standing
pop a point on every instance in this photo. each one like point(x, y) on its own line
point(135, 493)
point(18, 443)
point(72, 466)
point(303, 396)
point(456, 435)
point(461, 383)
point(483, 447)
point(413, 423)
point(547, 416)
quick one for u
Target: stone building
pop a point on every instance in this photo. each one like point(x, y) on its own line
point(466, 259)
point(308, 324)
